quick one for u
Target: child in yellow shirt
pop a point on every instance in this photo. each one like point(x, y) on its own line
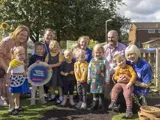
point(81, 70)
point(127, 87)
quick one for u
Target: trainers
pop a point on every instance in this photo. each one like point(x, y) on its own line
point(84, 105)
point(13, 112)
point(94, 105)
point(129, 113)
point(114, 107)
point(20, 109)
point(78, 105)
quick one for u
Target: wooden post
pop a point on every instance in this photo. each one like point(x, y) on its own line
point(158, 68)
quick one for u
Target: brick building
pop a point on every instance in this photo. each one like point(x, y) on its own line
point(141, 32)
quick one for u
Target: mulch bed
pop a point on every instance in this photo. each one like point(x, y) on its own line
point(67, 113)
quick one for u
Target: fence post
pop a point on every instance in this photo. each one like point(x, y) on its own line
point(157, 68)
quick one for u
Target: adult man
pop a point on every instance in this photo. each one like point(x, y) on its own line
point(111, 49)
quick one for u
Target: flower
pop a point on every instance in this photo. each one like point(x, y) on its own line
point(91, 41)
point(4, 25)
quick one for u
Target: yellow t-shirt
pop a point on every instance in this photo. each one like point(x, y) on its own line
point(81, 71)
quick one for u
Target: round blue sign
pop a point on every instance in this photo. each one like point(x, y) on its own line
point(38, 74)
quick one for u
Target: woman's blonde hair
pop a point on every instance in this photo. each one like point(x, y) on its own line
point(19, 29)
point(86, 38)
point(97, 46)
point(132, 49)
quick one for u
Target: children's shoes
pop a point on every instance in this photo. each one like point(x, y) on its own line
point(84, 105)
point(13, 112)
point(71, 100)
point(64, 100)
point(19, 109)
point(129, 113)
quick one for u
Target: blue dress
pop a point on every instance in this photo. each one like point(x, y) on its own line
point(144, 74)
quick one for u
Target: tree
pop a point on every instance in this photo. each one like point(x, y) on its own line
point(70, 18)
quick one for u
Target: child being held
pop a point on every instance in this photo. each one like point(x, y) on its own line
point(81, 70)
point(68, 78)
point(98, 76)
point(18, 81)
point(36, 58)
point(127, 87)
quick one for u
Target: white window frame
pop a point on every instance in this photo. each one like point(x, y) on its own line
point(151, 31)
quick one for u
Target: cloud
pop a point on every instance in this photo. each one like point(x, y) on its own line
point(141, 10)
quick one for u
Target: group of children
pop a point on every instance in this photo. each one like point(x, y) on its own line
point(70, 68)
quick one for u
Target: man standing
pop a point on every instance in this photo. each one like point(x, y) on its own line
point(112, 48)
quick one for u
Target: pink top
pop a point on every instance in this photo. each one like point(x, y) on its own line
point(109, 54)
point(6, 45)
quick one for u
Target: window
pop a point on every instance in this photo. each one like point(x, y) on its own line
point(151, 31)
point(158, 31)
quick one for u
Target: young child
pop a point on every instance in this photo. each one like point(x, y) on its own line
point(123, 70)
point(81, 70)
point(75, 46)
point(67, 72)
point(98, 75)
point(54, 58)
point(18, 81)
point(35, 58)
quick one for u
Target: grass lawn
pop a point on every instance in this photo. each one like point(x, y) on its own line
point(31, 112)
point(121, 117)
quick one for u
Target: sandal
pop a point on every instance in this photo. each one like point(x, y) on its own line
point(59, 101)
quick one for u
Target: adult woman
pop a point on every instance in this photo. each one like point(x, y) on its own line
point(18, 38)
point(83, 42)
point(143, 70)
point(49, 35)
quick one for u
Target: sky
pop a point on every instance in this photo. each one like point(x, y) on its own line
point(141, 10)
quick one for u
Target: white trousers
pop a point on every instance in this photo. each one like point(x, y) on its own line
point(41, 92)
